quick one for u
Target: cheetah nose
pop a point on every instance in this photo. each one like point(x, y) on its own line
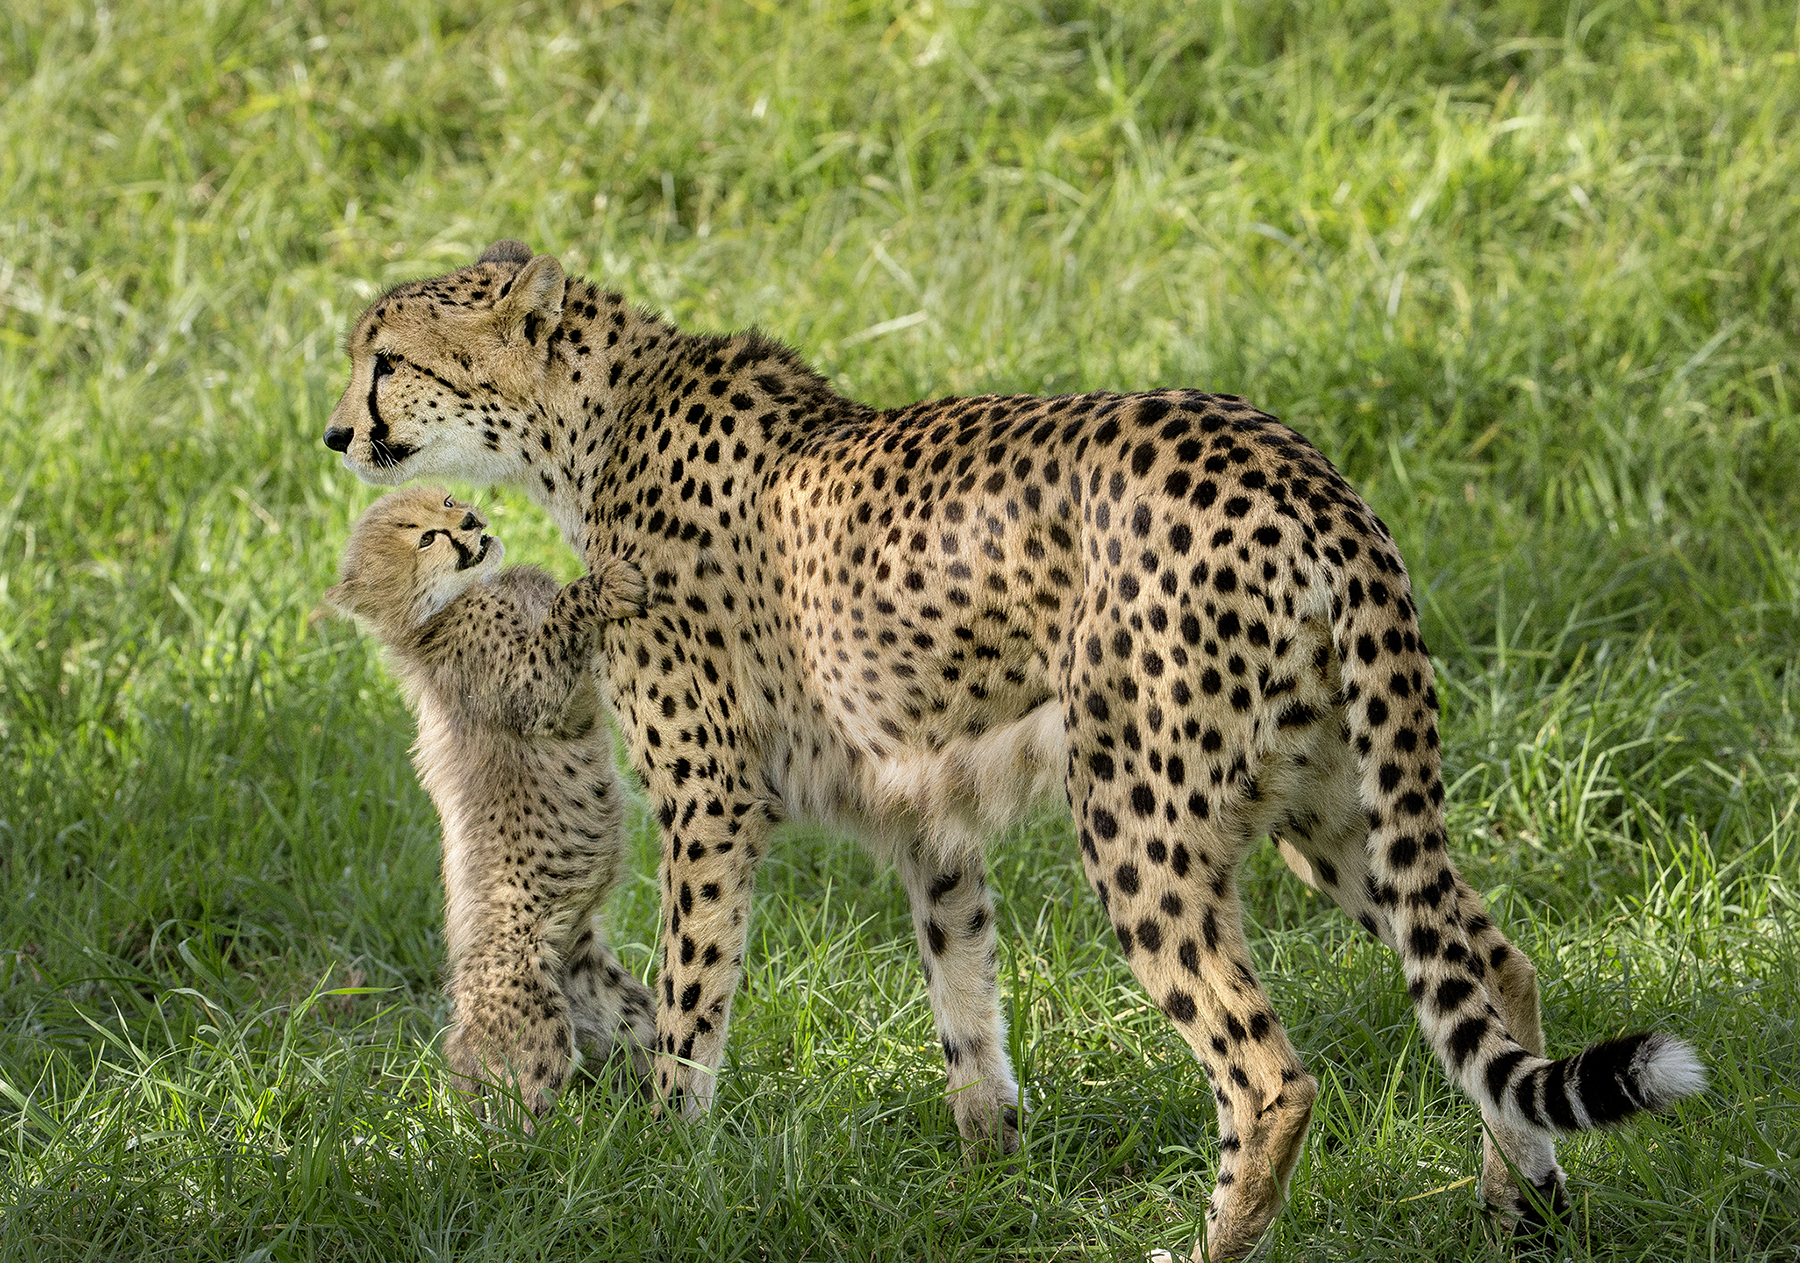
point(338, 437)
point(469, 522)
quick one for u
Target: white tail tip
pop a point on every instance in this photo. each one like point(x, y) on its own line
point(1668, 1069)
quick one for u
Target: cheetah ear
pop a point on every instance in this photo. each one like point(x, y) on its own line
point(506, 250)
point(533, 300)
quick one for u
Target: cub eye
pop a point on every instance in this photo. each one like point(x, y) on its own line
point(449, 503)
point(426, 538)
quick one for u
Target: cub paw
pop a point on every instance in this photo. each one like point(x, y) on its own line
point(506, 1082)
point(614, 1015)
point(620, 589)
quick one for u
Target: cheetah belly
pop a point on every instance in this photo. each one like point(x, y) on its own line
point(950, 799)
point(975, 787)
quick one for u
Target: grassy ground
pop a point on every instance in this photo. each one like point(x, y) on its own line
point(1526, 271)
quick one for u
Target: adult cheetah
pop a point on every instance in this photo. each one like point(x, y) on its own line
point(915, 623)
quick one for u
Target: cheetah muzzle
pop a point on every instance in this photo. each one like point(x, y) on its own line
point(1168, 609)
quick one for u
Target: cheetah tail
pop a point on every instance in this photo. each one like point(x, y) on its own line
point(1391, 707)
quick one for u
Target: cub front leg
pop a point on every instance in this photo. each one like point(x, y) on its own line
point(534, 675)
point(619, 589)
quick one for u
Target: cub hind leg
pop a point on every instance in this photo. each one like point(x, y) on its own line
point(608, 1007)
point(512, 1029)
point(528, 969)
point(528, 994)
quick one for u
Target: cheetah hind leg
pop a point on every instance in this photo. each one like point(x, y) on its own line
point(953, 914)
point(1162, 852)
point(1253, 1178)
point(1329, 852)
point(1512, 986)
point(610, 1009)
point(1260, 1143)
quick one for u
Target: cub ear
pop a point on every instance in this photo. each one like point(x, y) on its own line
point(340, 599)
point(506, 250)
point(534, 300)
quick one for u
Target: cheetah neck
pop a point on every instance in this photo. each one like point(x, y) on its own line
point(643, 429)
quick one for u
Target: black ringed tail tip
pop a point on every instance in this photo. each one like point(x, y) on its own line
point(1602, 1085)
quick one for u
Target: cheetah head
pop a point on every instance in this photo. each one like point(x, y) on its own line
point(444, 372)
point(410, 555)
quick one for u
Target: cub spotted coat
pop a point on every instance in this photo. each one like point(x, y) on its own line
point(514, 754)
point(1169, 607)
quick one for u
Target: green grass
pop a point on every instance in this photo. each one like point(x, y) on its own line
point(1526, 271)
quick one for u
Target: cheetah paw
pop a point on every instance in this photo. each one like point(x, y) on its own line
point(988, 1115)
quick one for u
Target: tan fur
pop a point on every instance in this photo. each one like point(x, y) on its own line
point(916, 622)
point(512, 750)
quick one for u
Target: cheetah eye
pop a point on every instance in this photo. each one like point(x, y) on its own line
point(449, 503)
point(426, 538)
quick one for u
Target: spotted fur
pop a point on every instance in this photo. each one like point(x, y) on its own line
point(495, 663)
point(1169, 607)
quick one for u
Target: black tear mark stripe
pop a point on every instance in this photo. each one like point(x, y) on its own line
point(386, 455)
point(378, 428)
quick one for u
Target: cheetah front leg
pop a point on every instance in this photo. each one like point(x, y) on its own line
point(953, 914)
point(713, 840)
point(672, 687)
point(708, 874)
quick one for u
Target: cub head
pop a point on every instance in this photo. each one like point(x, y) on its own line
point(443, 372)
point(410, 555)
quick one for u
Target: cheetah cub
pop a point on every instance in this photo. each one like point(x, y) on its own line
point(495, 664)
